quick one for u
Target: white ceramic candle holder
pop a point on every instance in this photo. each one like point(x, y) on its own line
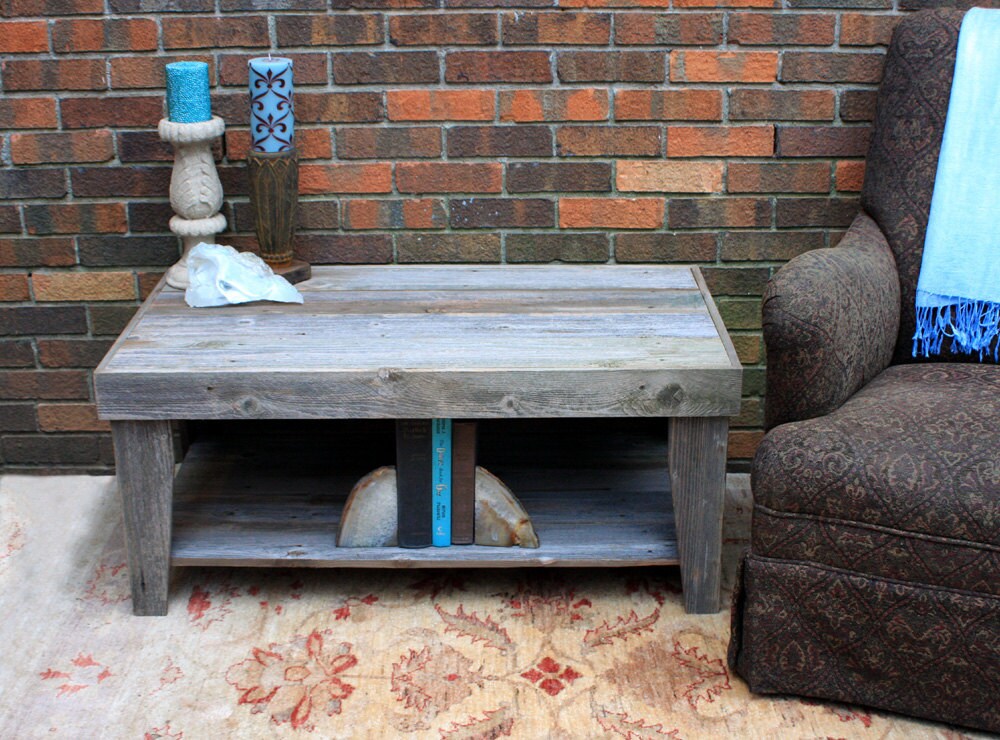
point(195, 188)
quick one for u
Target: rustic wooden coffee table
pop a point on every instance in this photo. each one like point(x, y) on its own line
point(386, 342)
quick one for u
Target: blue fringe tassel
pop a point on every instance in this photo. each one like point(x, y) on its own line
point(974, 326)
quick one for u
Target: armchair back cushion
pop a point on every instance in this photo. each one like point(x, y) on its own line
point(903, 155)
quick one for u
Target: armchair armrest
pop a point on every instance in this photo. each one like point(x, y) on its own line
point(831, 317)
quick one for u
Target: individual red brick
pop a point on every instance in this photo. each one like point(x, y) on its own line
point(310, 143)
point(857, 105)
point(211, 32)
point(76, 35)
point(43, 384)
point(497, 66)
point(147, 283)
point(329, 249)
point(548, 246)
point(109, 182)
point(36, 320)
point(74, 146)
point(825, 66)
point(538, 177)
point(83, 286)
point(106, 319)
point(17, 113)
point(23, 8)
point(774, 177)
point(732, 141)
point(768, 246)
point(70, 417)
point(345, 178)
point(440, 105)
point(668, 105)
point(382, 4)
point(669, 177)
point(72, 352)
point(850, 175)
point(10, 219)
point(815, 212)
point(128, 251)
point(370, 142)
point(36, 182)
point(415, 213)
point(611, 66)
point(482, 247)
point(743, 443)
point(739, 280)
point(310, 68)
point(138, 72)
point(554, 105)
point(357, 107)
point(25, 37)
point(498, 213)
point(610, 213)
point(149, 217)
point(748, 350)
point(609, 141)
point(668, 29)
point(499, 141)
point(554, 28)
point(117, 112)
point(781, 105)
point(75, 218)
point(146, 146)
point(232, 6)
point(701, 213)
point(338, 29)
point(857, 29)
point(723, 66)
point(443, 29)
point(399, 67)
point(14, 287)
point(665, 247)
point(773, 29)
point(54, 74)
point(15, 353)
point(823, 141)
point(28, 252)
point(614, 3)
point(449, 177)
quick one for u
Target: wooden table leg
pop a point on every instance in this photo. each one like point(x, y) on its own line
point(144, 461)
point(698, 485)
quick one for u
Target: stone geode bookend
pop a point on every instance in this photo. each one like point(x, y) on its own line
point(274, 194)
point(369, 516)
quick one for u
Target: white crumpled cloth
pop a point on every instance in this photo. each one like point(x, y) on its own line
point(219, 275)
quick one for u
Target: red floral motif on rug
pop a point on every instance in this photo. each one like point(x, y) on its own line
point(295, 681)
point(550, 676)
point(83, 672)
point(429, 681)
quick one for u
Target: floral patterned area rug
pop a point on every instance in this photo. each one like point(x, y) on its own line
point(365, 653)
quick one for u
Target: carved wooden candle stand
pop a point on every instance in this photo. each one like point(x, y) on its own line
point(274, 193)
point(195, 189)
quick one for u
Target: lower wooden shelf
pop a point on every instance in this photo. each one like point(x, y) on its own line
point(275, 500)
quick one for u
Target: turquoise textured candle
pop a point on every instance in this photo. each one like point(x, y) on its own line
point(272, 113)
point(187, 92)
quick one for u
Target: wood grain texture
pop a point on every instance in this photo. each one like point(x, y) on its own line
point(698, 482)
point(452, 341)
point(144, 460)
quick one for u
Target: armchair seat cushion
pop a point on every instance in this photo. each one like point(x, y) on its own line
point(901, 482)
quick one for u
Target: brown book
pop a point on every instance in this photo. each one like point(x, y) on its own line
point(463, 482)
point(413, 482)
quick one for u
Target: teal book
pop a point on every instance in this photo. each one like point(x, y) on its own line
point(441, 487)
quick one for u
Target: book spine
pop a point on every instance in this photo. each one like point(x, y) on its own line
point(413, 482)
point(463, 482)
point(441, 438)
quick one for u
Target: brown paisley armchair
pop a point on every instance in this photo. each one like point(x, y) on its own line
point(873, 574)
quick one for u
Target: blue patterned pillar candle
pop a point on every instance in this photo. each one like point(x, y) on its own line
point(272, 117)
point(187, 92)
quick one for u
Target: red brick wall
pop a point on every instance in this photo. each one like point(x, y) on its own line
point(730, 134)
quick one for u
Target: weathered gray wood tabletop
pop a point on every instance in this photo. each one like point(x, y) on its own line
point(430, 341)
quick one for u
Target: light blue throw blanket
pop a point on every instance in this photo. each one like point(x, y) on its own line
point(958, 293)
